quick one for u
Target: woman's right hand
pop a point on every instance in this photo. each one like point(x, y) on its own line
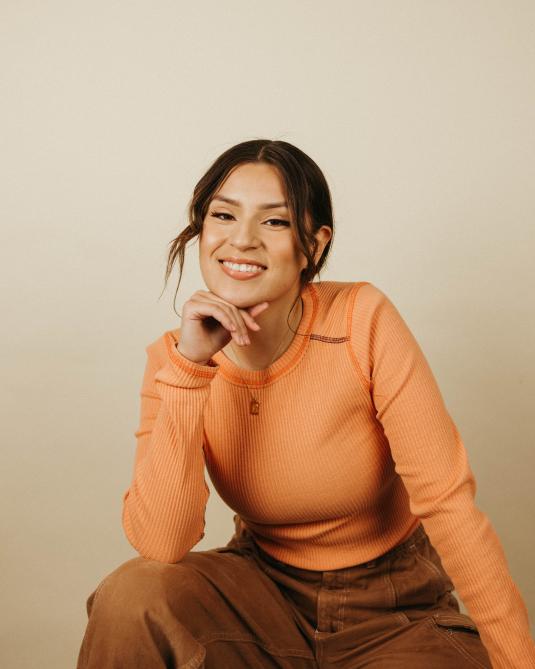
point(209, 323)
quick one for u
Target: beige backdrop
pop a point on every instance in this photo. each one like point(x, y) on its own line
point(421, 115)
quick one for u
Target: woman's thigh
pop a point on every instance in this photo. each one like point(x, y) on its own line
point(217, 599)
point(229, 599)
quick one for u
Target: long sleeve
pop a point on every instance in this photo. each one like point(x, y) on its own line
point(431, 459)
point(163, 513)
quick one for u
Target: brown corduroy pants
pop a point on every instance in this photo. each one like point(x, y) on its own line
point(236, 607)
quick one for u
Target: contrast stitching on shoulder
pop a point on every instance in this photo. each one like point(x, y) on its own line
point(349, 319)
point(329, 340)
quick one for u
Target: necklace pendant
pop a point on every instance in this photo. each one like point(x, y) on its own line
point(254, 407)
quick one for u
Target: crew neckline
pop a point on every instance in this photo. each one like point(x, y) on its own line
point(256, 378)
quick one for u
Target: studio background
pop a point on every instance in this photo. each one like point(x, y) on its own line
point(421, 116)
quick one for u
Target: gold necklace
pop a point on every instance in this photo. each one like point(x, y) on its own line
point(254, 404)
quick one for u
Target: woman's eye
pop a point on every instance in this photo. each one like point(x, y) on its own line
point(215, 214)
point(277, 221)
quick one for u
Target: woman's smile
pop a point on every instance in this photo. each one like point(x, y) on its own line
point(240, 272)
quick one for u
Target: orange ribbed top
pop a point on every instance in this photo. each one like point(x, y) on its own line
point(352, 448)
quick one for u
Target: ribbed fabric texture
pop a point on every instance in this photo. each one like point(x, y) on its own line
point(353, 447)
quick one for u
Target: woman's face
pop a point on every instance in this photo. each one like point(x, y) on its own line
point(247, 230)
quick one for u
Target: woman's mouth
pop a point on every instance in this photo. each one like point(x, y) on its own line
point(241, 272)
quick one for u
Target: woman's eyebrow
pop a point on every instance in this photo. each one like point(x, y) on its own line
point(268, 205)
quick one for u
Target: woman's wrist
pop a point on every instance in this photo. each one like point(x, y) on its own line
point(197, 362)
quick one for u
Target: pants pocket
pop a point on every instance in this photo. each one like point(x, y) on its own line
point(460, 631)
point(455, 622)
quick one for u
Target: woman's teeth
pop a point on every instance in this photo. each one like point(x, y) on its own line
point(243, 268)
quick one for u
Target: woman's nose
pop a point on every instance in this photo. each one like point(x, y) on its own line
point(243, 235)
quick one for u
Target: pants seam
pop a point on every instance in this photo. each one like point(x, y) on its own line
point(249, 638)
point(429, 564)
point(195, 661)
point(390, 584)
point(403, 617)
point(343, 602)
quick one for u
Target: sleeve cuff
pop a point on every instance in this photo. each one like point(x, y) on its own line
point(184, 373)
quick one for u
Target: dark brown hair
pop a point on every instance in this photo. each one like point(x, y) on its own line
point(306, 188)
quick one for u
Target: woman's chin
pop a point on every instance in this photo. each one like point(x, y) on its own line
point(243, 299)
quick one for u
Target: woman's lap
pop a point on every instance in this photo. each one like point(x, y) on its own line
point(231, 599)
point(236, 606)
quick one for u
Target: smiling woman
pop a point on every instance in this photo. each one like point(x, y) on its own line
point(318, 418)
point(280, 186)
point(245, 232)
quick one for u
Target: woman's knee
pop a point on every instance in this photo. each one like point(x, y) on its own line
point(135, 586)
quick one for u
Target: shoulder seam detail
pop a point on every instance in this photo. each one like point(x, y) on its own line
point(365, 382)
point(330, 340)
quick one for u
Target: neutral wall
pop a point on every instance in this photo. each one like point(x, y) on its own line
point(421, 116)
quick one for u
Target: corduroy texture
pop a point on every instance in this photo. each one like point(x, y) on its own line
point(353, 446)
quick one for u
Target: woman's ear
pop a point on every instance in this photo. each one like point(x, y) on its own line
point(323, 235)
